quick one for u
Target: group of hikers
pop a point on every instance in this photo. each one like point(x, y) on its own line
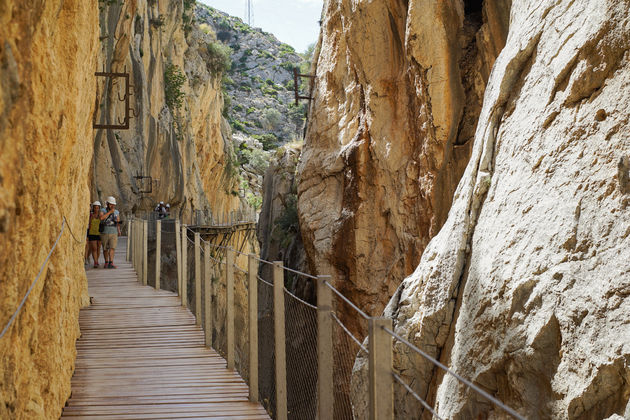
point(163, 210)
point(103, 230)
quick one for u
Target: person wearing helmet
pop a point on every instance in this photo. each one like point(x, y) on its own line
point(94, 235)
point(109, 237)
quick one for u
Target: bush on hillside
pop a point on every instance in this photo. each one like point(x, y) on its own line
point(174, 79)
point(219, 60)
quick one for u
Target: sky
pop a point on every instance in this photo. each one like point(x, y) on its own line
point(294, 22)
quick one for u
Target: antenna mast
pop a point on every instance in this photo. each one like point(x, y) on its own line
point(250, 12)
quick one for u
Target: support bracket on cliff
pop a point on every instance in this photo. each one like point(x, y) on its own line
point(124, 123)
point(296, 88)
point(139, 180)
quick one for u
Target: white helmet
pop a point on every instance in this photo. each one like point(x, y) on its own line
point(168, 206)
point(96, 203)
point(162, 202)
point(111, 200)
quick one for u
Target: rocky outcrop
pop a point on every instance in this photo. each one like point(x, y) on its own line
point(47, 61)
point(525, 289)
point(186, 148)
point(278, 228)
point(398, 90)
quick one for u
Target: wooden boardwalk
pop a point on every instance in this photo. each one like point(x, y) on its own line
point(141, 356)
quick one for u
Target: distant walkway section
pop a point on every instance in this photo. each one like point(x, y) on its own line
point(141, 356)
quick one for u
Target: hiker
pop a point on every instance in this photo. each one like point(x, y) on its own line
point(167, 211)
point(111, 231)
point(94, 235)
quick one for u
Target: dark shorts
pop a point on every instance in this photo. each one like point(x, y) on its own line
point(94, 237)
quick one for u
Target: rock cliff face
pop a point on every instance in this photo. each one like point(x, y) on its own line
point(278, 227)
point(398, 90)
point(47, 61)
point(525, 289)
point(187, 150)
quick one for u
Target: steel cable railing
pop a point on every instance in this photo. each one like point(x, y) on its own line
point(34, 282)
point(463, 380)
point(310, 386)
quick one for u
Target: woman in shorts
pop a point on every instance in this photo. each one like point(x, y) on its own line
point(94, 236)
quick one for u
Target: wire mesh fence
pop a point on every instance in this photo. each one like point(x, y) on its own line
point(349, 327)
point(266, 346)
point(345, 352)
point(301, 351)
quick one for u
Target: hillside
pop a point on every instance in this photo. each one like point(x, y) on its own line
point(260, 82)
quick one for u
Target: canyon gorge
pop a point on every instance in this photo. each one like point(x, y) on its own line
point(463, 169)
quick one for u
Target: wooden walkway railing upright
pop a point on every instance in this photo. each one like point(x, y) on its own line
point(141, 356)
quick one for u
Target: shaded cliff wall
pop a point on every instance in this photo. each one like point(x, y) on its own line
point(47, 61)
point(525, 288)
point(396, 98)
point(188, 151)
point(278, 228)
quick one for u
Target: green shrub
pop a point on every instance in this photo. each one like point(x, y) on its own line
point(174, 79)
point(219, 60)
point(254, 200)
point(272, 118)
point(238, 125)
point(227, 103)
point(287, 223)
point(269, 141)
point(250, 110)
point(157, 22)
point(259, 160)
point(288, 66)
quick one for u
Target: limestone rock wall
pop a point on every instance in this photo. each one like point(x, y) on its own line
point(397, 94)
point(278, 228)
point(188, 152)
point(525, 288)
point(48, 55)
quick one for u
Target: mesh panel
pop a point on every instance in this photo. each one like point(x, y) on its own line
point(301, 351)
point(266, 354)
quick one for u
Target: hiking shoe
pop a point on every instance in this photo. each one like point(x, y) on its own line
point(95, 265)
point(111, 265)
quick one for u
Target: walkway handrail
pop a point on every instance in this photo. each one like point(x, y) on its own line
point(30, 289)
point(380, 344)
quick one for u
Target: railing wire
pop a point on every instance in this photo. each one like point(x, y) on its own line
point(30, 289)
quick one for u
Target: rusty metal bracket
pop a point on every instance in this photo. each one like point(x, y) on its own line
point(114, 76)
point(150, 183)
point(296, 78)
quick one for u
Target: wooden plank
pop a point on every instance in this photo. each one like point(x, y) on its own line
point(141, 356)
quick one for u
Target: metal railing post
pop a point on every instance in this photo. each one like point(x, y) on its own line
point(197, 278)
point(184, 284)
point(325, 390)
point(178, 252)
point(145, 251)
point(128, 251)
point(381, 382)
point(229, 319)
point(158, 253)
point(252, 271)
point(280, 344)
point(208, 297)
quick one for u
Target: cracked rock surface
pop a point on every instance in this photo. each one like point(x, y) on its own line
point(525, 288)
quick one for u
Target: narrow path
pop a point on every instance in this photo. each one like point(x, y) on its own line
point(141, 356)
